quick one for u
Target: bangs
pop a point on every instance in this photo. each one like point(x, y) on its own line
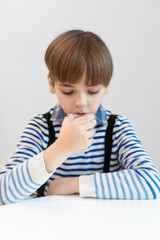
point(76, 53)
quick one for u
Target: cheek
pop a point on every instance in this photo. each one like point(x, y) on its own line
point(66, 102)
point(95, 102)
point(96, 99)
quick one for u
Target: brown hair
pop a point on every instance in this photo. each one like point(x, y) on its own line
point(75, 53)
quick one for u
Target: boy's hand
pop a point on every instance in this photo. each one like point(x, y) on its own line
point(63, 186)
point(76, 135)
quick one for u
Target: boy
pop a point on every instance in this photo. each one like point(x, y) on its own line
point(80, 68)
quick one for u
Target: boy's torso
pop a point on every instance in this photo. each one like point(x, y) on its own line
point(89, 161)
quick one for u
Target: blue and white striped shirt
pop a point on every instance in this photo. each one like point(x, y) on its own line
point(132, 175)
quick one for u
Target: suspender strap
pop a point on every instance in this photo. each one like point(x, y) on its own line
point(108, 142)
point(40, 191)
point(51, 128)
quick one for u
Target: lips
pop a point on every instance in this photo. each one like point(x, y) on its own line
point(77, 115)
point(80, 113)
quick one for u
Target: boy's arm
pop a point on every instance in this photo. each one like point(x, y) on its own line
point(25, 171)
point(33, 163)
point(138, 178)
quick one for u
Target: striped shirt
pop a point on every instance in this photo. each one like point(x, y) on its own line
point(133, 175)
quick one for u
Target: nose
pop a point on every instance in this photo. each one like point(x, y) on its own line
point(81, 100)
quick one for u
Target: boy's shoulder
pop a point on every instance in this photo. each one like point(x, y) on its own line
point(120, 118)
point(121, 123)
point(41, 115)
point(39, 120)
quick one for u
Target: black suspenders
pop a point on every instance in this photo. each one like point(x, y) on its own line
point(108, 144)
point(51, 128)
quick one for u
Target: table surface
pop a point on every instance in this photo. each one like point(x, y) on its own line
point(72, 217)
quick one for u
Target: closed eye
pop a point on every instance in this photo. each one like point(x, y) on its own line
point(90, 92)
point(67, 93)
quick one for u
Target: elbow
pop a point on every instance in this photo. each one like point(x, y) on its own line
point(153, 182)
point(150, 183)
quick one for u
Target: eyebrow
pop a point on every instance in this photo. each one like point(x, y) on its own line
point(65, 85)
point(72, 86)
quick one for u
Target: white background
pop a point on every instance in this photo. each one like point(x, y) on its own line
point(131, 30)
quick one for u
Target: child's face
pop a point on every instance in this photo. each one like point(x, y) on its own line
point(78, 98)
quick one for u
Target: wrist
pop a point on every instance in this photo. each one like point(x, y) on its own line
point(54, 156)
point(76, 184)
point(63, 148)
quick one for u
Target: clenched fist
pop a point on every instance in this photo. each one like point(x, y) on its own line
point(77, 135)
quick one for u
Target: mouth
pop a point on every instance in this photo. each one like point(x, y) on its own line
point(80, 113)
point(77, 115)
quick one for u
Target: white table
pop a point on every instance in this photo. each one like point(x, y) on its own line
point(72, 217)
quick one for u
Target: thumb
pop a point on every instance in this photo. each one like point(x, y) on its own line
point(69, 118)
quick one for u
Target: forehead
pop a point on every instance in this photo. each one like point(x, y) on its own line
point(81, 83)
point(77, 85)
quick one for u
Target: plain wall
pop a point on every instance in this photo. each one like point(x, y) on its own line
point(131, 30)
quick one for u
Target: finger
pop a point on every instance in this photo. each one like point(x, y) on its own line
point(69, 118)
point(84, 119)
point(90, 133)
point(88, 125)
point(90, 142)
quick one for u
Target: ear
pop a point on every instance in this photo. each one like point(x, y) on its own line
point(106, 89)
point(50, 85)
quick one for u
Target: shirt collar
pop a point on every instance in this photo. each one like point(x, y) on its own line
point(58, 115)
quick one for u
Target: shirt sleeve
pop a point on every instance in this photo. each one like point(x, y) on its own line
point(138, 177)
point(25, 171)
